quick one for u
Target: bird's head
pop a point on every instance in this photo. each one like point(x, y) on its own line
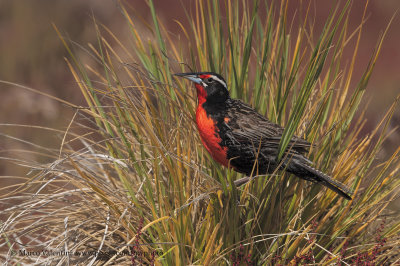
point(211, 87)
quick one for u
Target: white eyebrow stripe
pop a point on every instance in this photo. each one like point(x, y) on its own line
point(219, 80)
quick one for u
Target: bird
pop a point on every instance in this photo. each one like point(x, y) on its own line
point(239, 137)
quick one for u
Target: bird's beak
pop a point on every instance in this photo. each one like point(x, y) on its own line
point(190, 76)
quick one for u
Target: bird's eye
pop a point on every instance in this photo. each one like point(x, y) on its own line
point(210, 80)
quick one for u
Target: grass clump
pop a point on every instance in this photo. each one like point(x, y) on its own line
point(136, 186)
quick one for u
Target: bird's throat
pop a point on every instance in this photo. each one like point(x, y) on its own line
point(201, 94)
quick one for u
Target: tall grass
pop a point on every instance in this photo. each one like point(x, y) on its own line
point(136, 178)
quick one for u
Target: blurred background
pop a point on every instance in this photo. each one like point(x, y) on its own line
point(31, 54)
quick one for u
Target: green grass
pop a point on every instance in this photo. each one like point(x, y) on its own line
point(137, 174)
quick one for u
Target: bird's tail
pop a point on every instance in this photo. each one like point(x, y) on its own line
point(312, 174)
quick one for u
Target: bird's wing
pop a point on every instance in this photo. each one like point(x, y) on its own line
point(248, 126)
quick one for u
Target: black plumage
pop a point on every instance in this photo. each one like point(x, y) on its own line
point(253, 141)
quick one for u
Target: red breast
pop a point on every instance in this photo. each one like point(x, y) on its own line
point(209, 132)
